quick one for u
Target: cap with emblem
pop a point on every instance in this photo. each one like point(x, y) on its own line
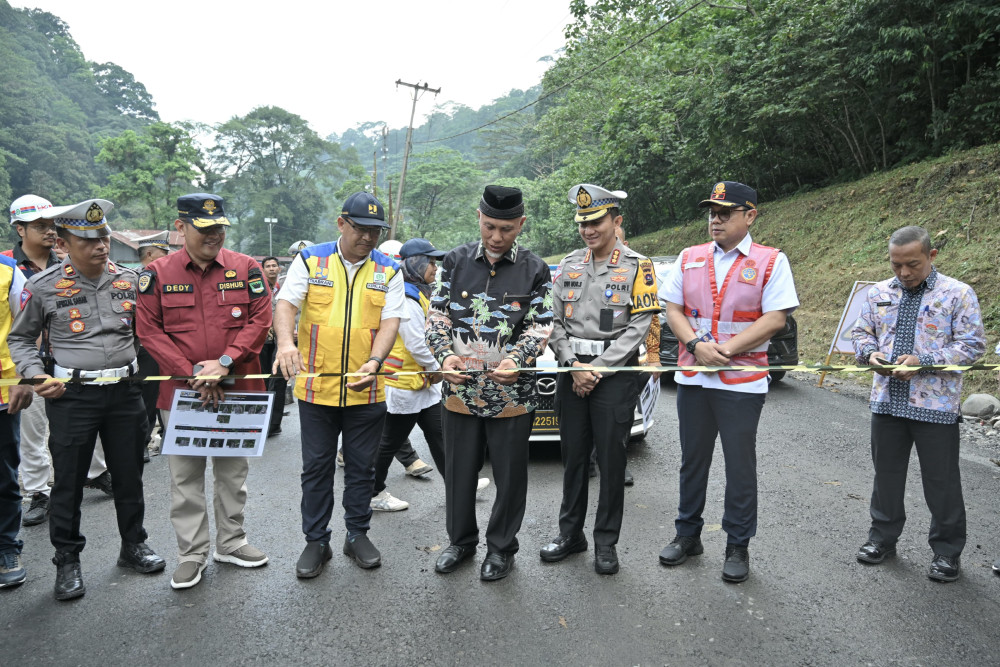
point(593, 201)
point(730, 194)
point(298, 247)
point(202, 210)
point(28, 208)
point(160, 240)
point(86, 219)
point(362, 208)
point(502, 203)
point(415, 247)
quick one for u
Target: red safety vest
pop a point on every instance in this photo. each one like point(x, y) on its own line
point(728, 311)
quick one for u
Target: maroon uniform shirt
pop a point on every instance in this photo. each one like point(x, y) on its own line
point(186, 315)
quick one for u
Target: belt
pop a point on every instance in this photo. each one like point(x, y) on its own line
point(78, 374)
point(593, 348)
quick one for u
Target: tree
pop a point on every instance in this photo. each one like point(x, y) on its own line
point(128, 95)
point(153, 167)
point(442, 192)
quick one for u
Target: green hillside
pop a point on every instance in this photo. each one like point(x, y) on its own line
point(839, 234)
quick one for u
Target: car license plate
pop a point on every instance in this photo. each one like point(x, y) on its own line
point(548, 421)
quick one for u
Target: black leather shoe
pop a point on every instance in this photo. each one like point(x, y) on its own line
point(678, 551)
point(69, 580)
point(496, 566)
point(361, 549)
point(140, 558)
point(944, 568)
point(452, 557)
point(737, 565)
point(874, 552)
point(605, 559)
point(629, 480)
point(563, 546)
point(313, 557)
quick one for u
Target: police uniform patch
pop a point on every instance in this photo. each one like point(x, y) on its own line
point(145, 280)
point(586, 256)
point(616, 298)
point(615, 256)
point(127, 321)
point(68, 292)
point(112, 268)
point(68, 270)
point(571, 294)
point(622, 269)
point(126, 305)
point(77, 326)
point(74, 313)
point(121, 284)
point(236, 311)
point(573, 276)
point(647, 272)
point(230, 274)
point(257, 286)
point(569, 310)
point(64, 283)
point(619, 279)
point(25, 295)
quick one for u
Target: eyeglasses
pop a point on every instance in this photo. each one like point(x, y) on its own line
point(724, 214)
point(43, 227)
point(370, 232)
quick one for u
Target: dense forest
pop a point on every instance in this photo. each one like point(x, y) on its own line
point(659, 98)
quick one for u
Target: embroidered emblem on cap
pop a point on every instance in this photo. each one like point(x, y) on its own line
point(209, 206)
point(583, 198)
point(719, 192)
point(236, 311)
point(76, 326)
point(95, 213)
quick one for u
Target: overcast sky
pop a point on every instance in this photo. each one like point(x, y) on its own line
point(334, 63)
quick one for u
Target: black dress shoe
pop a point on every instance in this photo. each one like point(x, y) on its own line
point(361, 549)
point(629, 480)
point(874, 552)
point(451, 558)
point(737, 565)
point(605, 559)
point(944, 568)
point(69, 580)
point(563, 546)
point(140, 558)
point(496, 566)
point(313, 557)
point(678, 551)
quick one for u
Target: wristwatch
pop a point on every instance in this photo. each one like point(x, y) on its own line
point(226, 362)
point(691, 344)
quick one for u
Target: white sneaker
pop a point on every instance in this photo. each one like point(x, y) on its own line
point(340, 459)
point(483, 483)
point(385, 502)
point(155, 444)
point(418, 469)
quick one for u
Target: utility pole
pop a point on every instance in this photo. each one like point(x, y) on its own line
point(271, 222)
point(375, 174)
point(418, 88)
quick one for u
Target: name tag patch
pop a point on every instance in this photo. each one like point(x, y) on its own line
point(319, 281)
point(377, 286)
point(178, 288)
point(232, 284)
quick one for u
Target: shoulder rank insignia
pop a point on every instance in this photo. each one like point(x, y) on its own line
point(68, 270)
point(615, 256)
point(64, 283)
point(112, 268)
point(145, 280)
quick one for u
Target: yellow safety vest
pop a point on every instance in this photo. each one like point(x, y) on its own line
point(400, 359)
point(7, 269)
point(338, 324)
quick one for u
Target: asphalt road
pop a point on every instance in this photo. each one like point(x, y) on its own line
point(807, 602)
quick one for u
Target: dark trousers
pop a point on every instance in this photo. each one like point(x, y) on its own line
point(466, 440)
point(117, 413)
point(395, 434)
point(10, 490)
point(321, 426)
point(150, 390)
point(407, 455)
point(705, 414)
point(937, 450)
point(275, 384)
point(599, 421)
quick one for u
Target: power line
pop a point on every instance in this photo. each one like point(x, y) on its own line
point(570, 82)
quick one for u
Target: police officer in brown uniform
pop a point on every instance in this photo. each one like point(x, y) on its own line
point(604, 300)
point(86, 304)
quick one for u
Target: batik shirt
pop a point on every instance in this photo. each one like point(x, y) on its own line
point(485, 313)
point(938, 322)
